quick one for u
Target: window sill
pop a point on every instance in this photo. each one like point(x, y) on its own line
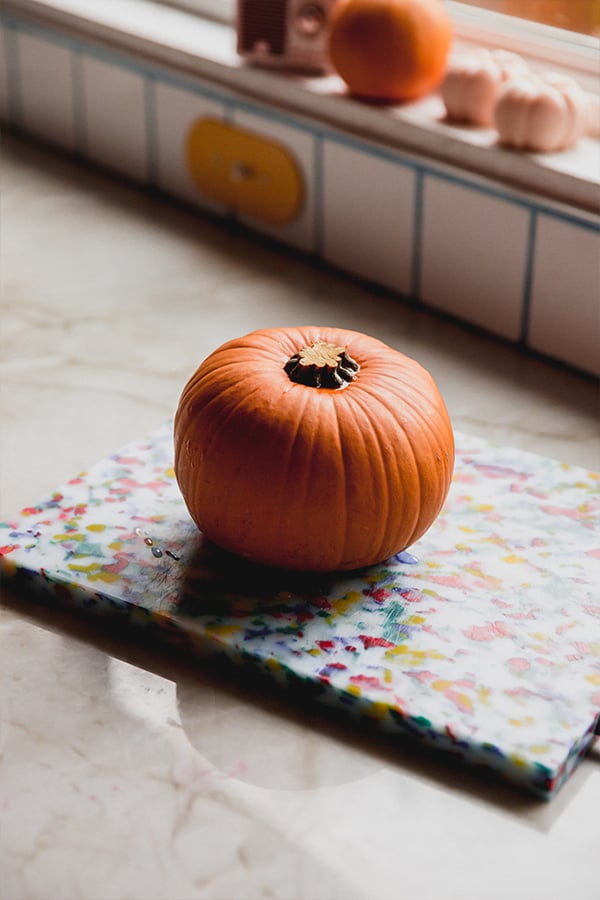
point(198, 47)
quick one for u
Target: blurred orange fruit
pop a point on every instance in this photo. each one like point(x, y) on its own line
point(390, 49)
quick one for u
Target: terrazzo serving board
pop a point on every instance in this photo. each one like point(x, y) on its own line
point(483, 640)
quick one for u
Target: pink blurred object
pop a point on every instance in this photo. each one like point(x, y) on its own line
point(472, 83)
point(541, 113)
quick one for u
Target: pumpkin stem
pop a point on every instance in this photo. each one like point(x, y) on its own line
point(322, 365)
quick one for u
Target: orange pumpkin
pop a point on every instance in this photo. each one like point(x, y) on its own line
point(312, 448)
point(542, 113)
point(390, 49)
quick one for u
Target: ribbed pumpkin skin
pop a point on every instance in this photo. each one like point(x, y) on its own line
point(296, 477)
point(390, 50)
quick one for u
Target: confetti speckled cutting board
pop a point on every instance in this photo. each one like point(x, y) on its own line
point(483, 640)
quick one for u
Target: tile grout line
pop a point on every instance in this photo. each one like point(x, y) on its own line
point(78, 100)
point(151, 130)
point(417, 237)
point(528, 277)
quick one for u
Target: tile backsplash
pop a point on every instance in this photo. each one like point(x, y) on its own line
point(114, 112)
point(172, 109)
point(513, 263)
point(302, 143)
point(45, 95)
point(369, 206)
point(474, 254)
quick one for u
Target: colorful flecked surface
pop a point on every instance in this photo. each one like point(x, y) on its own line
point(483, 640)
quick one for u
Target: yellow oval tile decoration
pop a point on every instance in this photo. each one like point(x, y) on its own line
point(245, 171)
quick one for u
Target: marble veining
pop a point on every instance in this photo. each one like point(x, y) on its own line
point(127, 773)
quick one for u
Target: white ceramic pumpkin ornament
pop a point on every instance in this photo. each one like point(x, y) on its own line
point(472, 82)
point(541, 113)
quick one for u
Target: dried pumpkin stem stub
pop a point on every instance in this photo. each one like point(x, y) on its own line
point(322, 365)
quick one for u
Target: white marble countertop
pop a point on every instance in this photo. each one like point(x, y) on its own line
point(127, 773)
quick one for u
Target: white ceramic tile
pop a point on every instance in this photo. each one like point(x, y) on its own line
point(301, 144)
point(175, 111)
point(115, 118)
point(46, 89)
point(4, 75)
point(565, 293)
point(473, 256)
point(368, 215)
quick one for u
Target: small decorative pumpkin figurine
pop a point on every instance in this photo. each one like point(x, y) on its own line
point(472, 81)
point(312, 448)
point(543, 113)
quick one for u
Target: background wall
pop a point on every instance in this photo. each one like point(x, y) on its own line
point(515, 264)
